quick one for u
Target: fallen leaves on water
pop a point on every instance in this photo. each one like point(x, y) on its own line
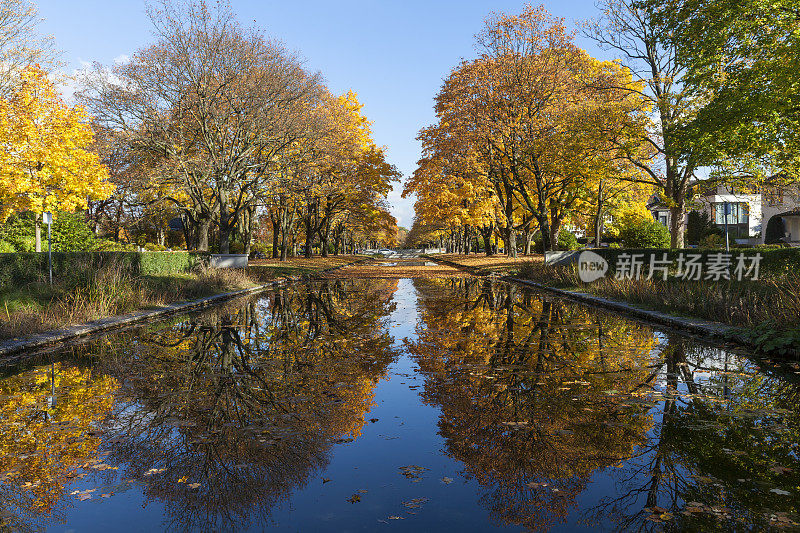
point(446, 480)
point(355, 498)
point(396, 518)
point(416, 503)
point(781, 492)
point(325, 480)
point(413, 472)
point(155, 471)
point(194, 485)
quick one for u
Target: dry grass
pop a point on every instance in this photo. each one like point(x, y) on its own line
point(89, 294)
point(107, 292)
point(738, 303)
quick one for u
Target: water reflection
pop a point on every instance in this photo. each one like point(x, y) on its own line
point(539, 397)
point(556, 415)
point(222, 416)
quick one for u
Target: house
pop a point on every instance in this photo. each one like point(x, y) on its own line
point(768, 215)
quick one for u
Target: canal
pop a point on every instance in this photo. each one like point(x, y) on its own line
point(452, 403)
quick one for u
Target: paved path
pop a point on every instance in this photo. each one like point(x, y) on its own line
point(395, 268)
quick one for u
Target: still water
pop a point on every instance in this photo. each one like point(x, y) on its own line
point(385, 405)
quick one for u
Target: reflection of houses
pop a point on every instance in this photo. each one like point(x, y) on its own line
point(770, 215)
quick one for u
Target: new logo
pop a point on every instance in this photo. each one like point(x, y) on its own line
point(591, 266)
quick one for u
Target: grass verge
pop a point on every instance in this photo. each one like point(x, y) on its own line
point(90, 294)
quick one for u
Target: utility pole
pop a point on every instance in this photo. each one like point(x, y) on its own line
point(47, 217)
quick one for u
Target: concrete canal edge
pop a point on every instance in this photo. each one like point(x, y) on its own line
point(47, 339)
point(696, 326)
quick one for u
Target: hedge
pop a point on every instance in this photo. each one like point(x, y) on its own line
point(19, 268)
point(775, 261)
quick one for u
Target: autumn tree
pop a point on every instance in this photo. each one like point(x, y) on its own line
point(532, 123)
point(45, 163)
point(644, 41)
point(740, 58)
point(213, 102)
point(21, 45)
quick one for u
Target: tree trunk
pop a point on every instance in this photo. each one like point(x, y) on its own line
point(677, 225)
point(325, 236)
point(224, 223)
point(511, 241)
point(247, 231)
point(38, 224)
point(203, 227)
point(486, 233)
point(276, 231)
point(555, 229)
point(284, 246)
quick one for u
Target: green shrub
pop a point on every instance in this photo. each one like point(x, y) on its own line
point(566, 241)
point(260, 247)
point(20, 268)
point(700, 226)
point(644, 233)
point(712, 240)
point(71, 233)
point(107, 245)
point(18, 233)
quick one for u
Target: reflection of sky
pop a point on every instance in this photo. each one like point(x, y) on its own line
point(406, 433)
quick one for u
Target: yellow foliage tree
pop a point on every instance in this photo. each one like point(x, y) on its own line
point(45, 164)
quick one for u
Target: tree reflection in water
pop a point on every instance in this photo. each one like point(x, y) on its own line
point(224, 416)
point(537, 396)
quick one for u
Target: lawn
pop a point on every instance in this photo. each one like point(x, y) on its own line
point(269, 269)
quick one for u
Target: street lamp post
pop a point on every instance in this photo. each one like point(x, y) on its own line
point(727, 213)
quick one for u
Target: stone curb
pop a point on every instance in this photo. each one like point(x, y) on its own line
point(697, 326)
point(48, 338)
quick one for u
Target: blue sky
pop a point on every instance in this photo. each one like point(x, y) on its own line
point(393, 53)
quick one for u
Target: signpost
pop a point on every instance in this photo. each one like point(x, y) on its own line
point(47, 218)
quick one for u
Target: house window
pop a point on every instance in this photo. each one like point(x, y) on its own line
point(739, 213)
point(662, 217)
point(774, 196)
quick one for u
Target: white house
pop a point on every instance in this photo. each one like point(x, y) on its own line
point(769, 215)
